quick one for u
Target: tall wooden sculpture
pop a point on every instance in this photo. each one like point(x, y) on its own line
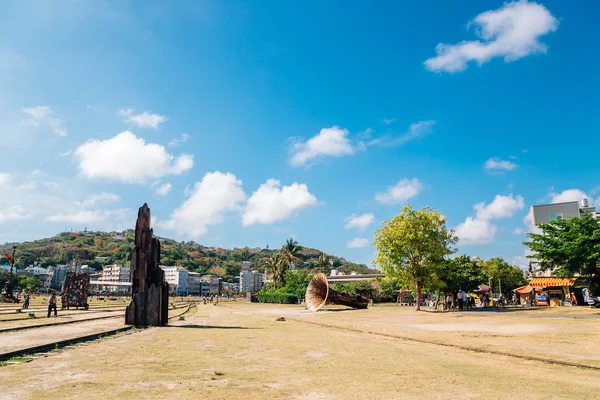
point(150, 291)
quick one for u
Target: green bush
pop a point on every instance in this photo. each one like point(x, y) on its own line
point(278, 298)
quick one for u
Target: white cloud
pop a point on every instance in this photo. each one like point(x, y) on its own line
point(14, 213)
point(519, 231)
point(357, 243)
point(332, 142)
point(497, 164)
point(501, 207)
point(479, 229)
point(127, 158)
point(215, 195)
point(179, 141)
point(359, 221)
point(400, 192)
point(476, 231)
point(389, 121)
point(113, 218)
point(415, 131)
point(43, 115)
point(164, 190)
point(568, 195)
point(512, 32)
point(66, 153)
point(94, 199)
point(271, 202)
point(5, 178)
point(143, 120)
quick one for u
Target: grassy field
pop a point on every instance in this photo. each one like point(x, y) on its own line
point(240, 351)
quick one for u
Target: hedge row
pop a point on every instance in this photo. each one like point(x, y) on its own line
point(278, 298)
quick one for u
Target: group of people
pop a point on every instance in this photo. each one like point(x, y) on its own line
point(210, 299)
point(464, 300)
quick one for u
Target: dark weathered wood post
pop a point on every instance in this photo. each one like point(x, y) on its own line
point(149, 291)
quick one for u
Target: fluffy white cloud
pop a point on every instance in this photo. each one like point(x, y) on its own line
point(43, 115)
point(400, 192)
point(512, 32)
point(179, 141)
point(359, 221)
point(128, 158)
point(479, 229)
point(271, 202)
point(357, 243)
point(496, 164)
point(476, 231)
point(501, 207)
point(164, 190)
point(332, 142)
point(5, 178)
point(143, 120)
point(389, 121)
point(215, 195)
point(94, 199)
point(568, 195)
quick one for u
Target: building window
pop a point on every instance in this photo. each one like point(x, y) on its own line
point(554, 217)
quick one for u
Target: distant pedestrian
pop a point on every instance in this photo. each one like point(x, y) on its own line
point(26, 300)
point(460, 297)
point(448, 302)
point(573, 299)
point(52, 305)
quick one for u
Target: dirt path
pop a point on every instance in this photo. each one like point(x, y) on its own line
point(13, 341)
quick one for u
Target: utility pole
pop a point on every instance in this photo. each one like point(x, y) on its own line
point(499, 286)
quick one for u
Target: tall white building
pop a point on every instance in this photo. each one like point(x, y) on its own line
point(177, 278)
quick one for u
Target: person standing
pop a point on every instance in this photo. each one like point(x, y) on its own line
point(448, 302)
point(52, 305)
point(460, 298)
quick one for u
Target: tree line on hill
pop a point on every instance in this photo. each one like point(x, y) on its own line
point(116, 248)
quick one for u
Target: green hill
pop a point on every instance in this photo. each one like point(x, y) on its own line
point(116, 247)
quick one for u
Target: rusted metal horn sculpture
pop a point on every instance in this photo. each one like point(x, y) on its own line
point(318, 293)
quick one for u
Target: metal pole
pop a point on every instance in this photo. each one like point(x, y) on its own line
point(499, 286)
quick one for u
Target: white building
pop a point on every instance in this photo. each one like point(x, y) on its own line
point(177, 278)
point(115, 273)
point(251, 281)
point(36, 271)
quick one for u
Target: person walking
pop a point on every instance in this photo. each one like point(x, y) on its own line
point(26, 301)
point(52, 305)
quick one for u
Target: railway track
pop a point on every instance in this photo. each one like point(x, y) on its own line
point(32, 352)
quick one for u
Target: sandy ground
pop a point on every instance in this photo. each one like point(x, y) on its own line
point(239, 351)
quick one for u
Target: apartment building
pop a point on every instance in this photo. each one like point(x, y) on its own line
point(177, 278)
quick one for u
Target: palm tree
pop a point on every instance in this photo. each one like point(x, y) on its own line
point(322, 262)
point(291, 252)
point(276, 267)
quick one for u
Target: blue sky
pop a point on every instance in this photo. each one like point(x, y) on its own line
point(244, 123)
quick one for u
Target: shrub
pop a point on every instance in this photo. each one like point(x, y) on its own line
point(278, 298)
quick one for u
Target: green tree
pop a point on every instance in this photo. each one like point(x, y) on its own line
point(276, 267)
point(461, 273)
point(569, 247)
point(291, 252)
point(31, 283)
point(323, 263)
point(296, 281)
point(412, 245)
point(502, 275)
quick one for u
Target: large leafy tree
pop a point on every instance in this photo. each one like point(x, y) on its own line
point(461, 273)
point(569, 247)
point(413, 245)
point(502, 275)
point(291, 252)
